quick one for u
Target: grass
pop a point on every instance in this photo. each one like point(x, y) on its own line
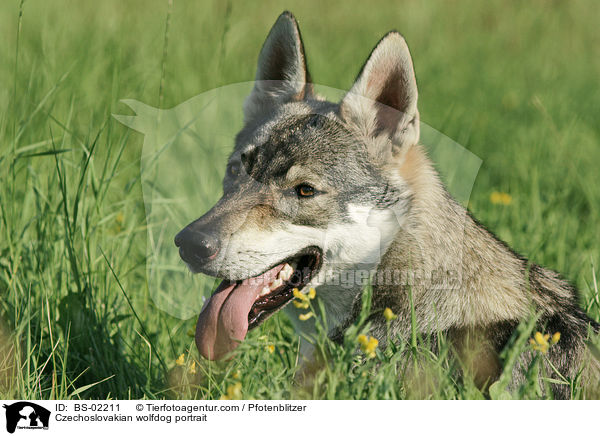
point(513, 82)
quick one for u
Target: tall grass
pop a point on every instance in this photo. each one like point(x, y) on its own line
point(515, 83)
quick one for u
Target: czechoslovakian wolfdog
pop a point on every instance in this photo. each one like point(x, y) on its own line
point(327, 195)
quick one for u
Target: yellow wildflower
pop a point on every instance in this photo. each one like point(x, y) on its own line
point(555, 337)
point(539, 342)
point(305, 316)
point(500, 198)
point(539, 338)
point(236, 375)
point(368, 345)
point(301, 304)
point(180, 360)
point(234, 392)
point(271, 348)
point(389, 315)
point(299, 295)
point(119, 220)
point(303, 301)
point(192, 369)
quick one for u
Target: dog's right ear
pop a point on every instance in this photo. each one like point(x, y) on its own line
point(282, 75)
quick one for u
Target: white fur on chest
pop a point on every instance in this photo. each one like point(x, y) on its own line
point(352, 251)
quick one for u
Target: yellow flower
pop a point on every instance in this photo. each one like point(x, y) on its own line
point(180, 360)
point(192, 369)
point(389, 315)
point(303, 301)
point(305, 316)
point(234, 392)
point(555, 337)
point(368, 345)
point(539, 342)
point(301, 304)
point(500, 198)
point(299, 295)
point(271, 348)
point(236, 375)
point(119, 220)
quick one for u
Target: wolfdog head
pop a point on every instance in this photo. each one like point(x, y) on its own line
point(311, 189)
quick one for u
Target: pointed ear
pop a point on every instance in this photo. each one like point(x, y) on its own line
point(383, 99)
point(282, 75)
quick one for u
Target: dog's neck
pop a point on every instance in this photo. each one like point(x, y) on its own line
point(458, 273)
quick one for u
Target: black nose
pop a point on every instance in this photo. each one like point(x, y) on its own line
point(196, 247)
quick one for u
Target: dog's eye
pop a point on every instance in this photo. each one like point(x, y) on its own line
point(233, 169)
point(304, 190)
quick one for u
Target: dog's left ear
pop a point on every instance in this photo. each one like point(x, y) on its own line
point(383, 99)
point(282, 75)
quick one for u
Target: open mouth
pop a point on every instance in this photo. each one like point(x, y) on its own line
point(296, 272)
point(236, 307)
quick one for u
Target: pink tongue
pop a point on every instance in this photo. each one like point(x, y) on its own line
point(223, 322)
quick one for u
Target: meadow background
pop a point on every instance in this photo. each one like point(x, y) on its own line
point(516, 83)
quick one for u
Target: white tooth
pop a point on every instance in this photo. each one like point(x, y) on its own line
point(264, 291)
point(276, 283)
point(286, 272)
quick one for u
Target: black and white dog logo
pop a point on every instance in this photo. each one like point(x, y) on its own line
point(26, 415)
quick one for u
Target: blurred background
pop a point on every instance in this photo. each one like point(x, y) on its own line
point(516, 83)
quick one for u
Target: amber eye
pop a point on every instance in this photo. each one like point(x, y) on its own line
point(233, 169)
point(305, 190)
